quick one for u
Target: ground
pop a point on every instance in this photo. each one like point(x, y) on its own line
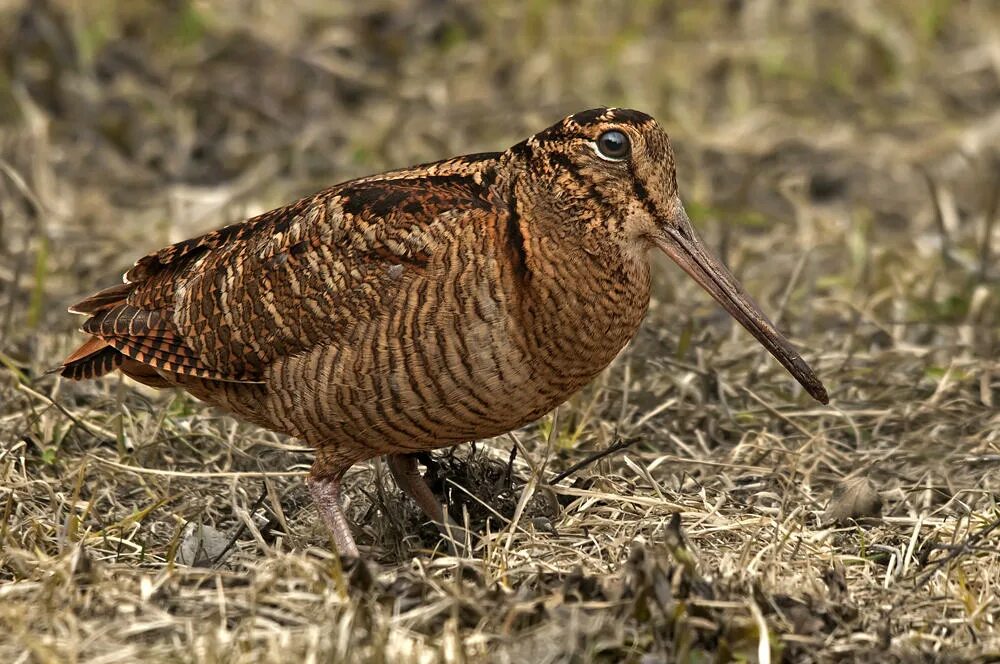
point(843, 157)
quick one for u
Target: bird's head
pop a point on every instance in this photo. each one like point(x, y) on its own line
point(611, 172)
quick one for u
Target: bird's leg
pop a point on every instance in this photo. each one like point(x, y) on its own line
point(325, 490)
point(408, 478)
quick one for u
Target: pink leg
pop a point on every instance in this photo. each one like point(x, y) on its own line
point(407, 475)
point(326, 494)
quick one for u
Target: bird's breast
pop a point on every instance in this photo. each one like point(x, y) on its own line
point(576, 317)
point(464, 349)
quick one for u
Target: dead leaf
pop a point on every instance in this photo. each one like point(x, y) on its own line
point(202, 545)
point(855, 498)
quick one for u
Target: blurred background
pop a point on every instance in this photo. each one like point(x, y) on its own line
point(842, 157)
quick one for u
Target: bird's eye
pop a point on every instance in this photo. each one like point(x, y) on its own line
point(613, 145)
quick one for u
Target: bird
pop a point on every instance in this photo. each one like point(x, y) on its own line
point(420, 308)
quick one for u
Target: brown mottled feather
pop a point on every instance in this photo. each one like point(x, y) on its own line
point(105, 299)
point(330, 297)
point(94, 358)
point(223, 305)
point(409, 310)
point(145, 374)
point(90, 347)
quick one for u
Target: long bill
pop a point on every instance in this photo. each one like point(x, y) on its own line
point(679, 240)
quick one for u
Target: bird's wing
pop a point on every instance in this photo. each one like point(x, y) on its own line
point(227, 304)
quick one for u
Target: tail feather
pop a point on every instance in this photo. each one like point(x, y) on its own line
point(107, 298)
point(138, 338)
point(94, 358)
point(89, 347)
point(97, 357)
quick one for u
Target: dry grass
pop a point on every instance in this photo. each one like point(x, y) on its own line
point(843, 156)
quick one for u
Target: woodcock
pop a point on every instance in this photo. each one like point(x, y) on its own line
point(423, 307)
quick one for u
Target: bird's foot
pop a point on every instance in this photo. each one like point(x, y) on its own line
point(325, 492)
point(407, 475)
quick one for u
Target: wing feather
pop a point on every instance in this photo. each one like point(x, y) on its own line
point(225, 305)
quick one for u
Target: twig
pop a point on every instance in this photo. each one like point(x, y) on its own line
point(94, 430)
point(970, 543)
point(204, 474)
point(239, 531)
point(613, 448)
point(509, 479)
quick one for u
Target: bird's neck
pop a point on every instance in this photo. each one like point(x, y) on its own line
point(581, 301)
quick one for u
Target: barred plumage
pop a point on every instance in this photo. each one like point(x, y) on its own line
point(422, 307)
